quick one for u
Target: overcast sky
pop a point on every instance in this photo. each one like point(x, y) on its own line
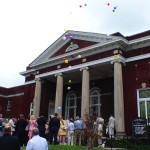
point(28, 27)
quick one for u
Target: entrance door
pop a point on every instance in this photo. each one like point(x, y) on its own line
point(70, 111)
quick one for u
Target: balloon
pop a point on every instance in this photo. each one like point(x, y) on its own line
point(66, 34)
point(71, 37)
point(66, 61)
point(115, 56)
point(65, 30)
point(79, 56)
point(69, 81)
point(71, 45)
point(64, 38)
point(59, 108)
point(108, 4)
point(68, 88)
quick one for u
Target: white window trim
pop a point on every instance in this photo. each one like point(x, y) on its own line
point(31, 108)
point(140, 100)
point(68, 107)
point(99, 96)
point(9, 105)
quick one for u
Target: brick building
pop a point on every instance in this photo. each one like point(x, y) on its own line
point(86, 73)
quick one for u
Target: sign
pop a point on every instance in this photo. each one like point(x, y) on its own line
point(139, 128)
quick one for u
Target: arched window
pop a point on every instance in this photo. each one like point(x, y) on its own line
point(95, 103)
point(70, 111)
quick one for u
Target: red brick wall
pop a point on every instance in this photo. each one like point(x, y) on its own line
point(134, 73)
point(28, 98)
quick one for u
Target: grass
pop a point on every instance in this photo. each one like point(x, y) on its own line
point(66, 147)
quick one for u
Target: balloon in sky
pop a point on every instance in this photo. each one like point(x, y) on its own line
point(65, 30)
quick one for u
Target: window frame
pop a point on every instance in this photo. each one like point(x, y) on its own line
point(142, 100)
point(9, 105)
point(92, 90)
point(67, 106)
point(31, 108)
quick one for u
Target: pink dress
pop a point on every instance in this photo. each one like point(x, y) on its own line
point(31, 124)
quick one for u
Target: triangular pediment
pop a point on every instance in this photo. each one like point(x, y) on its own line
point(72, 41)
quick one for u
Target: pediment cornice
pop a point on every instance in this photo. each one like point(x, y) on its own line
point(85, 36)
point(84, 52)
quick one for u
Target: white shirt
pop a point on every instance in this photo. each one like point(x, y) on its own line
point(37, 143)
point(111, 123)
point(11, 124)
point(100, 127)
point(71, 126)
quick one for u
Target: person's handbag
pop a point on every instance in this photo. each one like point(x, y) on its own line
point(100, 133)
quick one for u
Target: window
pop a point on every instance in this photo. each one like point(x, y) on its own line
point(95, 102)
point(71, 99)
point(51, 108)
point(143, 101)
point(31, 108)
point(9, 105)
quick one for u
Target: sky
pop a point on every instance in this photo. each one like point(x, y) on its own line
point(28, 27)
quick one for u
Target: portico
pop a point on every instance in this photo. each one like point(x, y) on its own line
point(111, 67)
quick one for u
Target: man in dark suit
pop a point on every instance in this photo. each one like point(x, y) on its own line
point(41, 125)
point(9, 142)
point(20, 130)
point(54, 125)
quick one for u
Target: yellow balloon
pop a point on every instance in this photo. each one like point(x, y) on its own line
point(66, 61)
point(115, 56)
point(79, 56)
point(65, 30)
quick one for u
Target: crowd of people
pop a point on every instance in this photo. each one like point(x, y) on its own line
point(56, 130)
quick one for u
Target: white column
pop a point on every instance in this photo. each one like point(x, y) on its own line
point(85, 92)
point(37, 98)
point(118, 98)
point(59, 94)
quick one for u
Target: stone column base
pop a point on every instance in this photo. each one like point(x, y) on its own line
point(120, 135)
